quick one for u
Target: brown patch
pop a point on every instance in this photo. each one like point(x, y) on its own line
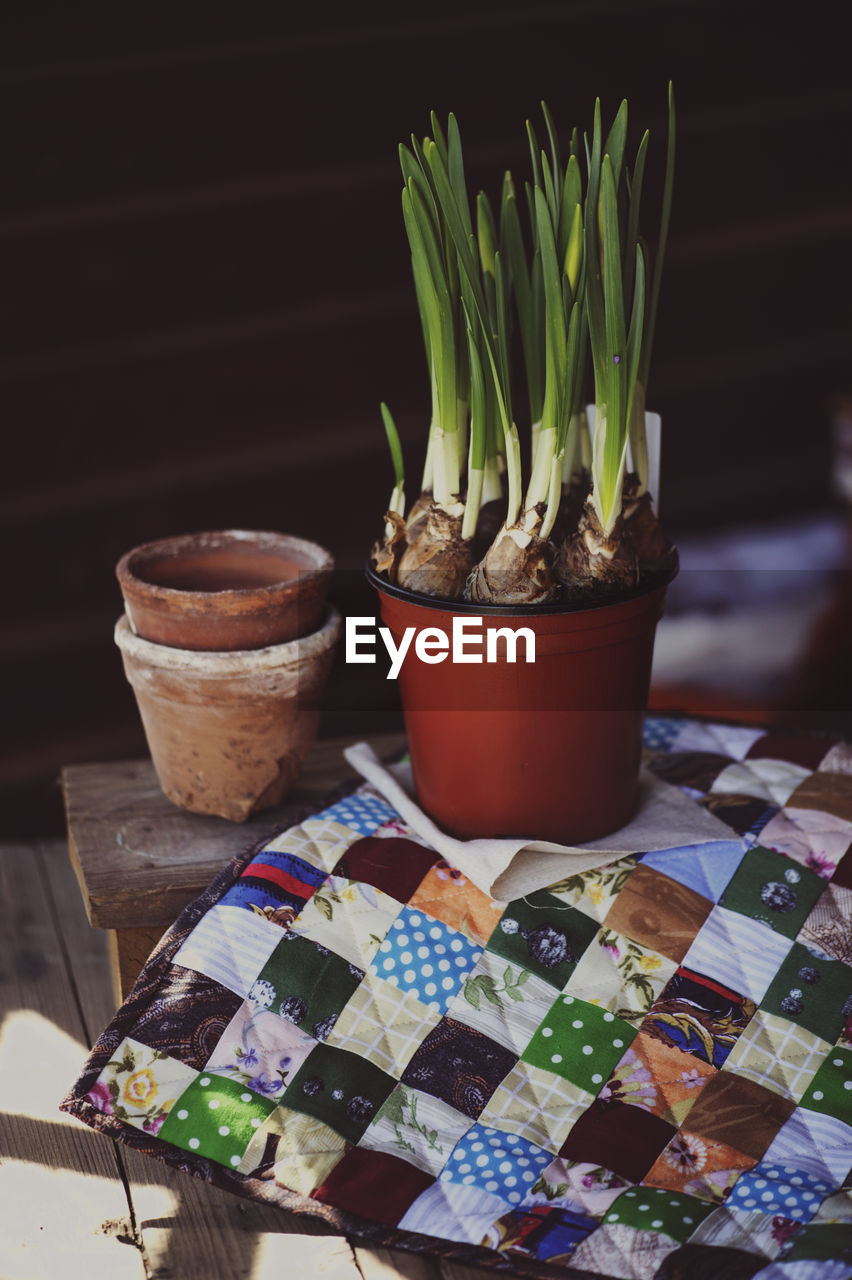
point(828, 792)
point(658, 912)
point(740, 1113)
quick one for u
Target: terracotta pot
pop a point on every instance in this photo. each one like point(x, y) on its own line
point(228, 732)
point(222, 591)
point(548, 749)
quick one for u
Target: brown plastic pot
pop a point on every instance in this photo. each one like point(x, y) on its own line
point(550, 749)
point(228, 732)
point(223, 591)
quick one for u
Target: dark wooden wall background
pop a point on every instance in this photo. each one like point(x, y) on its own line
point(206, 289)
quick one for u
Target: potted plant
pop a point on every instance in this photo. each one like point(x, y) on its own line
point(575, 554)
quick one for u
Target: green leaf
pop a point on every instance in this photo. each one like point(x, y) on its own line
point(523, 975)
point(393, 444)
point(491, 996)
point(535, 155)
point(616, 138)
point(514, 994)
point(508, 977)
point(553, 141)
point(555, 348)
point(471, 992)
point(486, 233)
point(455, 168)
point(661, 246)
point(632, 235)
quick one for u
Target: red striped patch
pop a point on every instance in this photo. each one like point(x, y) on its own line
point(262, 871)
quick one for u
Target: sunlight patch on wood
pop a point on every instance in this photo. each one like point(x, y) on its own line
point(38, 1064)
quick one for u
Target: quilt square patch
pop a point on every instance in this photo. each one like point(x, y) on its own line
point(625, 1139)
point(571, 1184)
point(460, 1066)
point(502, 1001)
point(739, 1112)
point(318, 841)
point(140, 1085)
point(339, 1088)
point(741, 955)
point(541, 933)
point(812, 991)
point(276, 885)
point(216, 1118)
point(593, 891)
point(777, 1054)
point(657, 1077)
point(426, 957)
point(536, 1105)
point(696, 1165)
point(260, 1050)
point(447, 895)
point(815, 839)
point(658, 912)
point(830, 1090)
point(362, 812)
point(704, 868)
point(828, 928)
point(416, 1127)
point(770, 888)
point(827, 793)
point(348, 917)
point(293, 1150)
point(696, 770)
point(772, 781)
point(807, 750)
point(464, 1214)
point(814, 1142)
point(620, 975)
point(699, 1016)
point(731, 741)
point(580, 1042)
point(187, 1018)
point(655, 1209)
point(384, 1024)
point(231, 946)
point(393, 864)
point(306, 984)
point(505, 1166)
point(777, 1189)
point(374, 1184)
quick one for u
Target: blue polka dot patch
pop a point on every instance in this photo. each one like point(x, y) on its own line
point(425, 956)
point(500, 1163)
point(660, 732)
point(780, 1189)
point(362, 813)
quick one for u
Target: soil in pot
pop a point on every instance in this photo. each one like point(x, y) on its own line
point(225, 591)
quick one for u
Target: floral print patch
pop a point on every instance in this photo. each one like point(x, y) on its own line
point(140, 1085)
point(260, 1049)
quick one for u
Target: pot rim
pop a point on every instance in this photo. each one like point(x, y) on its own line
point(653, 582)
point(321, 564)
point(231, 662)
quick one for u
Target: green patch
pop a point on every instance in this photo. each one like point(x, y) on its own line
point(774, 890)
point(340, 1088)
point(655, 1209)
point(217, 1118)
point(831, 1088)
point(540, 933)
point(306, 984)
point(580, 1042)
point(811, 991)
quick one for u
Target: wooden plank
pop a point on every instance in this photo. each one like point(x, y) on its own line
point(139, 859)
point(64, 1206)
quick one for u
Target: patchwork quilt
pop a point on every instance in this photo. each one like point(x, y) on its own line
point(641, 1071)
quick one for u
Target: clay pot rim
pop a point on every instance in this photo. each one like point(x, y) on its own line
point(651, 583)
point(321, 566)
point(230, 662)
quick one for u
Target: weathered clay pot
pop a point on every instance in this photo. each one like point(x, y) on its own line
point(229, 731)
point(222, 591)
